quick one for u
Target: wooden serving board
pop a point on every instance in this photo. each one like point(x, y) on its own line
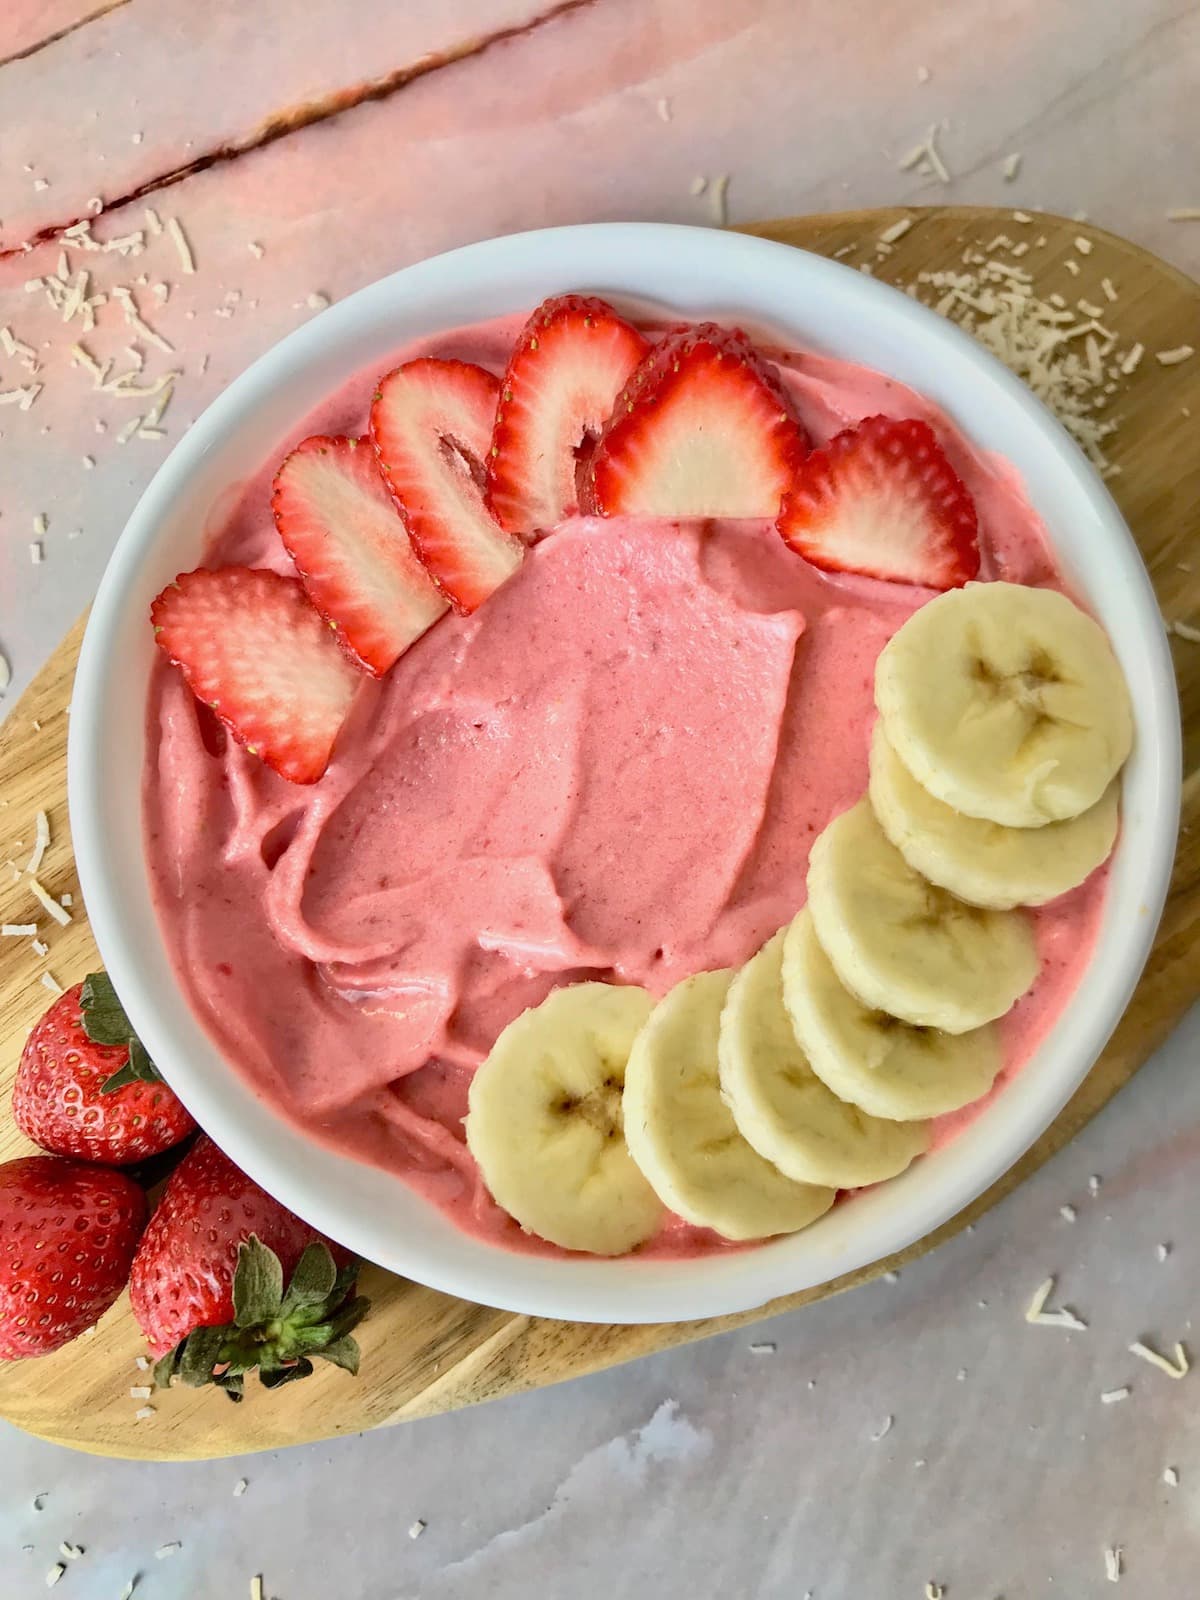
point(425, 1352)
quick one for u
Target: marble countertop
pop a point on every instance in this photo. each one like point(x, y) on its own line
point(911, 1437)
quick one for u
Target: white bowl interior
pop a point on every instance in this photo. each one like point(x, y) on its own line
point(818, 304)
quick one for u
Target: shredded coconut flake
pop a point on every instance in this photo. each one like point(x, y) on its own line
point(165, 1550)
point(54, 1574)
point(1037, 1314)
point(143, 1414)
point(49, 981)
point(1012, 165)
point(1171, 1477)
point(1113, 1564)
point(1172, 358)
point(239, 1488)
point(1110, 1397)
point(1067, 1213)
point(1184, 214)
point(882, 1432)
point(48, 904)
point(1178, 1368)
point(40, 948)
point(41, 824)
point(140, 1391)
point(70, 1552)
point(182, 248)
point(5, 672)
point(1184, 630)
point(895, 231)
point(720, 192)
point(698, 185)
point(18, 930)
point(417, 1528)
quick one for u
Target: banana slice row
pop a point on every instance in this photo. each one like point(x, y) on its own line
point(743, 1101)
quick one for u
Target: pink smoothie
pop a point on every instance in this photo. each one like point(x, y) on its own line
point(615, 769)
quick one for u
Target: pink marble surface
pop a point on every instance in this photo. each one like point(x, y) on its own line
point(765, 1479)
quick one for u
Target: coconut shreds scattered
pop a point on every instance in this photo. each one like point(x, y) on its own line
point(54, 1574)
point(1172, 358)
point(1179, 1368)
point(1113, 1564)
point(70, 1552)
point(5, 672)
point(48, 904)
point(883, 1431)
point(127, 1591)
point(1184, 214)
point(1067, 1213)
point(256, 1587)
point(36, 553)
point(1036, 1313)
point(1110, 1397)
point(1043, 340)
point(1094, 1183)
point(318, 300)
point(1012, 165)
point(49, 981)
point(934, 1591)
point(240, 1488)
point(1184, 630)
point(763, 1347)
point(40, 948)
point(417, 1528)
point(142, 1363)
point(143, 1414)
point(140, 1391)
point(165, 1550)
point(18, 930)
point(1162, 1251)
point(698, 185)
point(1171, 1476)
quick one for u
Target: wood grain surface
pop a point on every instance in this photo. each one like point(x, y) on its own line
point(425, 1352)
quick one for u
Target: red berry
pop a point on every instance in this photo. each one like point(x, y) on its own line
point(67, 1237)
point(59, 1100)
point(183, 1273)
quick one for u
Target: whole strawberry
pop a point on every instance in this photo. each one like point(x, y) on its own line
point(86, 1087)
point(208, 1282)
point(67, 1237)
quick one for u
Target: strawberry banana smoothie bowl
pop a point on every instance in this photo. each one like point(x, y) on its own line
point(632, 784)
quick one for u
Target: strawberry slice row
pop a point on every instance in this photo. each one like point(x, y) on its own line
point(461, 472)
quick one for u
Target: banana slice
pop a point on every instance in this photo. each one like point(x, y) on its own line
point(985, 862)
point(904, 946)
point(683, 1136)
point(1006, 703)
point(780, 1105)
point(544, 1121)
point(871, 1059)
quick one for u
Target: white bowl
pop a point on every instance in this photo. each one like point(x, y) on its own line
point(818, 304)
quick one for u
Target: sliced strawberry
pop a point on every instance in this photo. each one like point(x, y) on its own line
point(252, 647)
point(340, 526)
point(881, 499)
point(573, 358)
point(431, 422)
point(702, 429)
